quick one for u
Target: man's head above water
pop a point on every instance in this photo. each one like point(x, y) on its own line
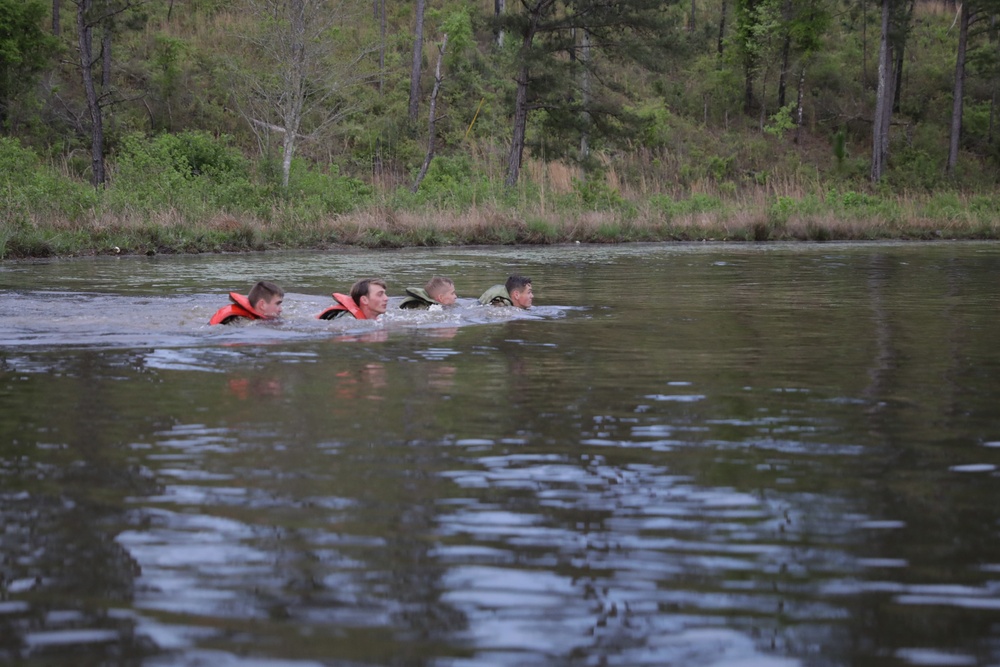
point(519, 289)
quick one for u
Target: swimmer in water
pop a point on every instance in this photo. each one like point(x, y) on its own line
point(439, 291)
point(366, 301)
point(515, 292)
point(263, 303)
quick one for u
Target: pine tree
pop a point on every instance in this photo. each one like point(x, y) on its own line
point(549, 67)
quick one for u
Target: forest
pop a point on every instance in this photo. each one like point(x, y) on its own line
point(145, 126)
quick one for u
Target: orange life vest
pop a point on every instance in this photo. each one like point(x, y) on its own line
point(344, 304)
point(240, 307)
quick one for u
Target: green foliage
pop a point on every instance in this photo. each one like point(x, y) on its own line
point(840, 146)
point(859, 205)
point(28, 187)
point(319, 193)
point(720, 167)
point(665, 115)
point(449, 182)
point(945, 206)
point(655, 130)
point(191, 172)
point(24, 50)
point(696, 203)
point(781, 121)
point(541, 231)
point(458, 26)
point(713, 92)
point(596, 195)
point(915, 169)
point(781, 209)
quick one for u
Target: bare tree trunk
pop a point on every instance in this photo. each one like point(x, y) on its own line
point(292, 116)
point(380, 10)
point(56, 26)
point(880, 126)
point(418, 56)
point(722, 25)
point(585, 91)
point(691, 17)
point(957, 95)
point(105, 58)
point(762, 119)
point(520, 124)
point(900, 46)
point(864, 43)
point(786, 48)
point(86, 46)
point(432, 122)
point(499, 8)
point(993, 94)
point(748, 87)
point(520, 121)
point(798, 104)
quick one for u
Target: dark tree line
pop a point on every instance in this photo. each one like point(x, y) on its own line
point(563, 59)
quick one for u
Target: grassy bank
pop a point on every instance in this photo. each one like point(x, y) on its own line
point(191, 193)
point(758, 217)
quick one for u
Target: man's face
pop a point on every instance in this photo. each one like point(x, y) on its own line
point(446, 296)
point(377, 299)
point(270, 309)
point(523, 297)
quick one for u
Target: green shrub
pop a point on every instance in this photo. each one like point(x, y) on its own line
point(29, 187)
point(596, 195)
point(449, 182)
point(781, 209)
point(325, 193)
point(191, 172)
point(944, 206)
point(541, 231)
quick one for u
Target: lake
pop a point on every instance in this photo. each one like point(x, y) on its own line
point(684, 454)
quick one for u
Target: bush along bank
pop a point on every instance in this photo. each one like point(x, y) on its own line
point(191, 193)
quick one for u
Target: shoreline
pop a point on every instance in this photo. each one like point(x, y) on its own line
point(375, 229)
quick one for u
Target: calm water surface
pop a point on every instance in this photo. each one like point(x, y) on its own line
point(684, 455)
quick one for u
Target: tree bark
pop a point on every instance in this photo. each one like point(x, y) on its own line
point(899, 47)
point(415, 66)
point(105, 58)
point(786, 48)
point(585, 92)
point(56, 25)
point(520, 121)
point(722, 26)
point(432, 122)
point(958, 93)
point(993, 92)
point(295, 85)
point(85, 38)
point(880, 126)
point(798, 104)
point(864, 43)
point(499, 8)
point(691, 16)
point(380, 5)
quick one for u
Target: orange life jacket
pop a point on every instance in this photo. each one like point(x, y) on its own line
point(344, 304)
point(240, 307)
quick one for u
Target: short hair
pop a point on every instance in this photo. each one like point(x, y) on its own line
point(360, 288)
point(437, 284)
point(264, 290)
point(516, 283)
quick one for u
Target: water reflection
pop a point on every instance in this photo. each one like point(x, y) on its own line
point(711, 456)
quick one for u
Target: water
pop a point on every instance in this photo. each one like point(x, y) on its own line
point(684, 455)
